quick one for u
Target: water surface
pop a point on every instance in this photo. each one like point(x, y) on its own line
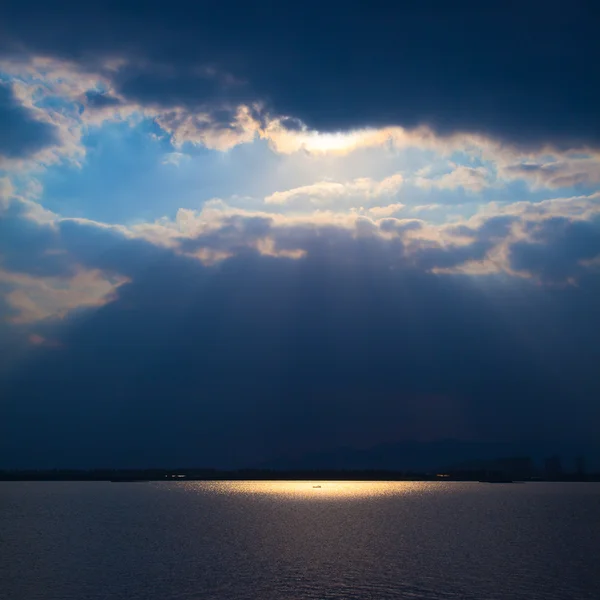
point(291, 540)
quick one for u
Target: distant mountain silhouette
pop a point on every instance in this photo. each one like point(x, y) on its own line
point(436, 455)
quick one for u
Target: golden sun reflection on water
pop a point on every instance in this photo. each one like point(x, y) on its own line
point(313, 490)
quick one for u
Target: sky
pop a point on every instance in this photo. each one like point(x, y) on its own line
point(234, 232)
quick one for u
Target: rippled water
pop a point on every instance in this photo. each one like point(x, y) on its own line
point(272, 540)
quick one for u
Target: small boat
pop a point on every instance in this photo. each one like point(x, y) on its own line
point(316, 486)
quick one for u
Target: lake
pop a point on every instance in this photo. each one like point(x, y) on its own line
point(290, 540)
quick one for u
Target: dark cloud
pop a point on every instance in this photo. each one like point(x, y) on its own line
point(558, 174)
point(257, 357)
point(492, 228)
point(21, 134)
point(99, 100)
point(173, 85)
point(391, 225)
point(27, 246)
point(13, 343)
point(523, 75)
point(446, 258)
point(291, 124)
point(234, 234)
point(106, 248)
point(556, 248)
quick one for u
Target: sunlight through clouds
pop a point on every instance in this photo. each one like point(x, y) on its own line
point(245, 235)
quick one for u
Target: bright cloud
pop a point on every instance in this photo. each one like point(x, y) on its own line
point(359, 184)
point(39, 298)
point(561, 172)
point(472, 179)
point(327, 193)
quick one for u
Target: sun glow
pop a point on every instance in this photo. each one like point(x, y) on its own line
point(331, 142)
point(311, 490)
point(312, 141)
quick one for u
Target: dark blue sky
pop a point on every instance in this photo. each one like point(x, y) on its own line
point(232, 233)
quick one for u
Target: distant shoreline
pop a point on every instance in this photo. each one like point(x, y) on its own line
point(171, 475)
